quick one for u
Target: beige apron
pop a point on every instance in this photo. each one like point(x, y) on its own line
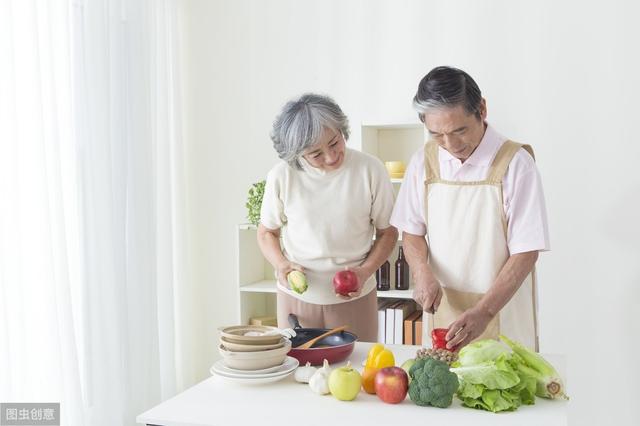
point(467, 240)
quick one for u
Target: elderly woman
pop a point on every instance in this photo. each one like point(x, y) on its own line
point(325, 202)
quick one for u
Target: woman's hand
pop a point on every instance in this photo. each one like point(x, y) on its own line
point(470, 325)
point(282, 270)
point(269, 242)
point(363, 275)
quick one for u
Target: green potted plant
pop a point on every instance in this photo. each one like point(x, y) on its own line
point(254, 202)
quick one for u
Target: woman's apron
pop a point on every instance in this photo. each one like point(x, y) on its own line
point(467, 246)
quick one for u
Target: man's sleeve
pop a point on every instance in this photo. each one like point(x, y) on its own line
point(526, 211)
point(407, 213)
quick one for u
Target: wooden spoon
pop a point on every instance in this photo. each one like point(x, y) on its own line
point(308, 344)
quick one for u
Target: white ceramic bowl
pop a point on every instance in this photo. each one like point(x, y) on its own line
point(237, 334)
point(254, 360)
point(241, 347)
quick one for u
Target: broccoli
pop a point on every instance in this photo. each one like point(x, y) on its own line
point(432, 383)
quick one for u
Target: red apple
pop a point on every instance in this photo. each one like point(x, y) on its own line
point(392, 384)
point(345, 282)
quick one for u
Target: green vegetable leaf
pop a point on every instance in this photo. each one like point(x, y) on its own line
point(548, 382)
point(490, 374)
point(481, 351)
point(469, 390)
point(496, 401)
point(494, 379)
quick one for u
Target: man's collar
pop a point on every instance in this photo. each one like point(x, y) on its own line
point(484, 152)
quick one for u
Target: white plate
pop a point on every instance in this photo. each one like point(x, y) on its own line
point(286, 367)
point(219, 366)
point(283, 370)
point(259, 381)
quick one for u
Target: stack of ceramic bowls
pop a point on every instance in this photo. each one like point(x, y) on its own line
point(253, 347)
point(253, 354)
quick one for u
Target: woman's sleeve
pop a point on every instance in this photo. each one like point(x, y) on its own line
point(382, 197)
point(272, 210)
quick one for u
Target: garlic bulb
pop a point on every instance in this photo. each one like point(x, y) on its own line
point(303, 374)
point(319, 382)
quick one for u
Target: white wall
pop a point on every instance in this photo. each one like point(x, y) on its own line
point(561, 76)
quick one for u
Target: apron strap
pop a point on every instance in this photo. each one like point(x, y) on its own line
point(431, 173)
point(503, 158)
point(431, 163)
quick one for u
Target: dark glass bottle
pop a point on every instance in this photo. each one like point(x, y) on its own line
point(383, 277)
point(402, 271)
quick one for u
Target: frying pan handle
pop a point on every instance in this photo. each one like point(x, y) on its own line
point(293, 321)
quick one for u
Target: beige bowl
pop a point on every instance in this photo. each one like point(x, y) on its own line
point(394, 166)
point(236, 334)
point(241, 347)
point(254, 360)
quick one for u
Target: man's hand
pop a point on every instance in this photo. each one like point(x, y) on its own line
point(474, 321)
point(283, 269)
point(467, 327)
point(428, 293)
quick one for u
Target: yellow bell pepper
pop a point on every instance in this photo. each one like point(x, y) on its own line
point(379, 357)
point(384, 359)
point(373, 352)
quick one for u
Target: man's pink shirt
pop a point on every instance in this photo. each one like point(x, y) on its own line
point(524, 203)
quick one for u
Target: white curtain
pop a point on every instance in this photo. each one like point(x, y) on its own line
point(92, 185)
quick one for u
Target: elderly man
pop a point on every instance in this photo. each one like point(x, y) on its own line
point(473, 218)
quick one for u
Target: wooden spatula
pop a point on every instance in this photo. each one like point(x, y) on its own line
point(307, 345)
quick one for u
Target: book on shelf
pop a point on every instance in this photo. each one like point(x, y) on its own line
point(394, 311)
point(402, 310)
point(390, 321)
point(410, 328)
point(417, 330)
point(382, 319)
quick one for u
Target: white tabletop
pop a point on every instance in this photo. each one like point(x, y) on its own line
point(217, 402)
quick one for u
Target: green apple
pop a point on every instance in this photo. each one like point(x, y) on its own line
point(345, 383)
point(406, 366)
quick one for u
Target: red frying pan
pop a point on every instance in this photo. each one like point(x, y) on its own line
point(334, 348)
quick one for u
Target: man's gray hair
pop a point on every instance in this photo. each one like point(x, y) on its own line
point(447, 87)
point(301, 122)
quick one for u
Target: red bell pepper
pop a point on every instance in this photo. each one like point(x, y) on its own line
point(438, 338)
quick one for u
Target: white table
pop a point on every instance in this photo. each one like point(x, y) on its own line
point(216, 402)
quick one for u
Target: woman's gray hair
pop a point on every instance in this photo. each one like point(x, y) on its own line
point(301, 122)
point(447, 87)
